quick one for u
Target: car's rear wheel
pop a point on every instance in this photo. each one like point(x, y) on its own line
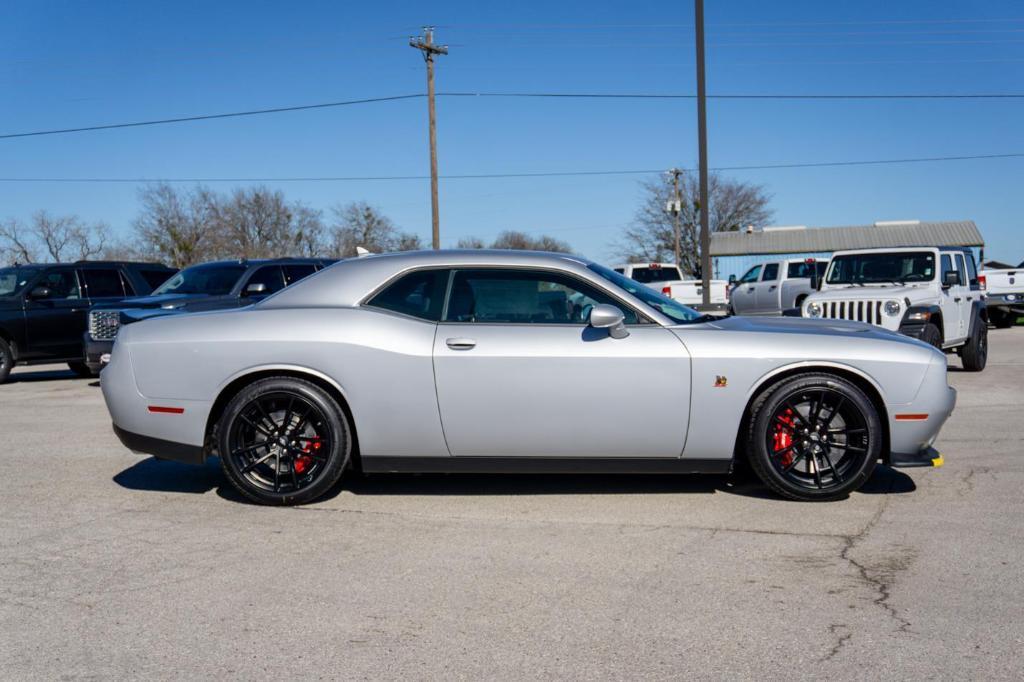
point(6, 361)
point(814, 437)
point(974, 353)
point(283, 441)
point(82, 369)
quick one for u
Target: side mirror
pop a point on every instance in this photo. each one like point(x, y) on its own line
point(40, 292)
point(732, 279)
point(950, 278)
point(256, 289)
point(604, 316)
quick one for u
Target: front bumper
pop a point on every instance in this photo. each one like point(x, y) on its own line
point(94, 352)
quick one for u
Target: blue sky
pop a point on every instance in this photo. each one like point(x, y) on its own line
point(65, 64)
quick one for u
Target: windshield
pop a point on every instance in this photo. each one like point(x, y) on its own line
point(663, 304)
point(656, 273)
point(13, 280)
point(881, 268)
point(215, 280)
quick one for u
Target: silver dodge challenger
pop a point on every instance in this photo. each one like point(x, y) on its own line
point(501, 361)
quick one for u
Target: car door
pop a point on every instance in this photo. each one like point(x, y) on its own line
point(744, 295)
point(766, 294)
point(950, 302)
point(54, 324)
point(966, 296)
point(519, 373)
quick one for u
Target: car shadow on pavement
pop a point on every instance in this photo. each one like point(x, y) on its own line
point(171, 477)
point(43, 375)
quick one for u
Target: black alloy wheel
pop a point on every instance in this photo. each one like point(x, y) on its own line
point(283, 441)
point(974, 353)
point(814, 437)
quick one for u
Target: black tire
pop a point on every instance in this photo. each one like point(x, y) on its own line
point(273, 426)
point(6, 361)
point(849, 447)
point(1001, 319)
point(974, 353)
point(931, 335)
point(82, 370)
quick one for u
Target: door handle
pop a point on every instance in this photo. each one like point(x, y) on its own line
point(771, 288)
point(461, 344)
point(956, 299)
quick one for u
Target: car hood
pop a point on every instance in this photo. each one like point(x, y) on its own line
point(806, 326)
point(874, 292)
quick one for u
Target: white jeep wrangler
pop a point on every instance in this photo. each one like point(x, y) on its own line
point(932, 294)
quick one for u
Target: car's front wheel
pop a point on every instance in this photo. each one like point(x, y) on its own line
point(283, 441)
point(814, 437)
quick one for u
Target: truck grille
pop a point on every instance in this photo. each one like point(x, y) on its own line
point(858, 311)
point(103, 324)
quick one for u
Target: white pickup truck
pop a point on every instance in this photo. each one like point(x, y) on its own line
point(1004, 294)
point(774, 287)
point(668, 279)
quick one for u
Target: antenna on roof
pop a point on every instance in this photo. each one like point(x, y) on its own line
point(360, 252)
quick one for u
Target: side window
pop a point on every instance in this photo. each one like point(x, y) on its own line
point(419, 294)
point(752, 275)
point(293, 273)
point(62, 284)
point(525, 297)
point(947, 266)
point(102, 283)
point(270, 275)
point(962, 268)
point(972, 270)
point(155, 278)
point(621, 271)
point(771, 272)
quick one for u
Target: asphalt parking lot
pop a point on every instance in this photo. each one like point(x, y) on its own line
point(116, 565)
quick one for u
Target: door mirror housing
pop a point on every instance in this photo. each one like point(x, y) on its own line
point(732, 279)
point(950, 278)
point(604, 316)
point(256, 289)
point(40, 293)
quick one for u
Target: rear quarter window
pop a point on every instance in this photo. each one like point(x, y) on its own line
point(417, 294)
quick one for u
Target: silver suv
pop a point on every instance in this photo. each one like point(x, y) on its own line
point(932, 294)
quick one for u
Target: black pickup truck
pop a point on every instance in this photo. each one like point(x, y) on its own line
point(209, 286)
point(43, 307)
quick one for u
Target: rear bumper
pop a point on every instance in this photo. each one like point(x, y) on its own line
point(928, 457)
point(162, 449)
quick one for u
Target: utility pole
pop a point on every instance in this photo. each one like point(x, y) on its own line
point(702, 144)
point(675, 207)
point(426, 45)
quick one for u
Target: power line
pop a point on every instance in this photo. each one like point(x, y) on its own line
point(539, 174)
point(525, 95)
point(207, 117)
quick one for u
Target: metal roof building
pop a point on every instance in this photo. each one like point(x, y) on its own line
point(798, 239)
point(735, 251)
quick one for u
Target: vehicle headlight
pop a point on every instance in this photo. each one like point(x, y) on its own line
point(891, 308)
point(813, 309)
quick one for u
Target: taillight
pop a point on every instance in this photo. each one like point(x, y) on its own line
point(982, 282)
point(667, 291)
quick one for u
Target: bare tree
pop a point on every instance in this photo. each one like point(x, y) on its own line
point(651, 236)
point(255, 223)
point(55, 238)
point(177, 226)
point(360, 225)
point(308, 232)
point(513, 239)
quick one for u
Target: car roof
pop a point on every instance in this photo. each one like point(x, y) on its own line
point(348, 282)
point(263, 261)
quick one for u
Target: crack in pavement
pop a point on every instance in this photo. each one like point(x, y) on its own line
point(841, 642)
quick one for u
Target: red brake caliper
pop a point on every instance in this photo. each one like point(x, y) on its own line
point(303, 462)
point(783, 437)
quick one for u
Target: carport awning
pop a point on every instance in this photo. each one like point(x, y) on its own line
point(828, 239)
